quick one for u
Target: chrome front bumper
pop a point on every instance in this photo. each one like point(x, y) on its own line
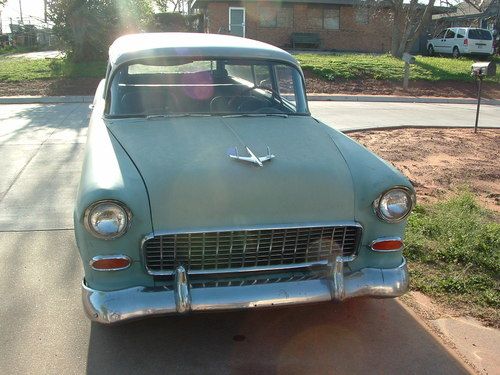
point(139, 302)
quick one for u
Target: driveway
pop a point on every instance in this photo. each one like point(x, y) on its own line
point(42, 326)
point(35, 55)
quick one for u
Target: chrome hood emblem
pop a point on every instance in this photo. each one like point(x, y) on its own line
point(233, 153)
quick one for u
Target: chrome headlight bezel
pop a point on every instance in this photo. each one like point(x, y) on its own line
point(90, 210)
point(411, 198)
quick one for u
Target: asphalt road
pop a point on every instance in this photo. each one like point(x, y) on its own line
point(42, 326)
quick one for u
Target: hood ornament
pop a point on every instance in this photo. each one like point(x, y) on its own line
point(233, 154)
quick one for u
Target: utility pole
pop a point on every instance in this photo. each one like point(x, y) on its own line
point(45, 11)
point(21, 11)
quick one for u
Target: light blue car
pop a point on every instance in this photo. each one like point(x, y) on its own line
point(207, 186)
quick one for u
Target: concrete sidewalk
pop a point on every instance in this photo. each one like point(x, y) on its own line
point(311, 97)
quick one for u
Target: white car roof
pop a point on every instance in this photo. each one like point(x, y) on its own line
point(149, 45)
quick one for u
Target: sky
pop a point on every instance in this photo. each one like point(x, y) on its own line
point(32, 12)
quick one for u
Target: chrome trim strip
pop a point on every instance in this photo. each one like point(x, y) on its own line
point(109, 307)
point(101, 257)
point(224, 271)
point(251, 228)
point(382, 239)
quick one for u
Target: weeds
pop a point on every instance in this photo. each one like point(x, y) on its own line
point(453, 249)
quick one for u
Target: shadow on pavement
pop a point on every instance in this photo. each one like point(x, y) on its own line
point(356, 337)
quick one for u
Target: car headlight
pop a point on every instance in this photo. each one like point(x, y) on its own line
point(107, 219)
point(394, 204)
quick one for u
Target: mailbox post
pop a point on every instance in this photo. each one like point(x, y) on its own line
point(408, 59)
point(480, 70)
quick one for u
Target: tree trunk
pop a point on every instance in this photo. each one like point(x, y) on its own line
point(397, 22)
point(416, 23)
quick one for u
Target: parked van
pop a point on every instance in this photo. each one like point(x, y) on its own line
point(462, 41)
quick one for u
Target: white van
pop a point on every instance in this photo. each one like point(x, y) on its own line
point(462, 41)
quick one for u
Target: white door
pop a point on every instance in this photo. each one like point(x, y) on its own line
point(449, 41)
point(237, 21)
point(438, 42)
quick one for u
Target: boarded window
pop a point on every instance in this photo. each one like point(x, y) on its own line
point(268, 16)
point(362, 16)
point(315, 17)
point(285, 17)
point(331, 18)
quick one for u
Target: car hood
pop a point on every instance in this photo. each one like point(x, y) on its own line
point(193, 184)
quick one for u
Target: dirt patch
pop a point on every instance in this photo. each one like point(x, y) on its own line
point(50, 87)
point(368, 86)
point(439, 161)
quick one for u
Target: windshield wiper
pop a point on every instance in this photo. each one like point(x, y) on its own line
point(283, 115)
point(175, 115)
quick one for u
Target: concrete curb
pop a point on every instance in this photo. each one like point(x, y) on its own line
point(397, 99)
point(396, 127)
point(46, 99)
point(311, 97)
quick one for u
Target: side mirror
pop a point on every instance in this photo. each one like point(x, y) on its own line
point(483, 69)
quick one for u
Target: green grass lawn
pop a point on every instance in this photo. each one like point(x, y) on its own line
point(331, 67)
point(453, 249)
point(386, 67)
point(22, 69)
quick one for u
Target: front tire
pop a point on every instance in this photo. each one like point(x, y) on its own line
point(430, 50)
point(456, 53)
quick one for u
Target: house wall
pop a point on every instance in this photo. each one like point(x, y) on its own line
point(375, 36)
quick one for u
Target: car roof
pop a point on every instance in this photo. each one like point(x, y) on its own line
point(149, 45)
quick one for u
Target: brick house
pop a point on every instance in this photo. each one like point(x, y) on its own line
point(340, 24)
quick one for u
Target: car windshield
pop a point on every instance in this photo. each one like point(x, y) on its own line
point(479, 34)
point(208, 87)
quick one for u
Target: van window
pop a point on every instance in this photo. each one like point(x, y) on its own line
point(460, 33)
point(479, 34)
point(450, 34)
point(440, 35)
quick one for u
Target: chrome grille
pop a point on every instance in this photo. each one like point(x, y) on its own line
point(207, 251)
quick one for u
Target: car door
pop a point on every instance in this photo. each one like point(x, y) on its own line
point(237, 21)
point(449, 41)
point(438, 42)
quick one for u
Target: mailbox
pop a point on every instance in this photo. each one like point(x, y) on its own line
point(407, 58)
point(483, 69)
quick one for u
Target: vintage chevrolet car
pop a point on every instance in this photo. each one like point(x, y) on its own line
point(207, 185)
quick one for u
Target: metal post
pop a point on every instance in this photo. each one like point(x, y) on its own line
point(21, 11)
point(478, 101)
point(406, 76)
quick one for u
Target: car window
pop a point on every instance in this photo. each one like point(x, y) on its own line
point(440, 35)
point(461, 33)
point(479, 34)
point(284, 76)
point(450, 34)
point(196, 86)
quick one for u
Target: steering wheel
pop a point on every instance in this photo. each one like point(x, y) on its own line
point(248, 89)
point(261, 87)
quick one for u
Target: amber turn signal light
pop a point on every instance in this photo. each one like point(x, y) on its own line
point(387, 244)
point(110, 263)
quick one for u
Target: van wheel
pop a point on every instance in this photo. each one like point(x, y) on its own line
point(430, 50)
point(456, 52)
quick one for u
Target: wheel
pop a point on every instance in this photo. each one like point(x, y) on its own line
point(456, 52)
point(430, 50)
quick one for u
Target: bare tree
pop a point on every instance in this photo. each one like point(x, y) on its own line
point(409, 20)
point(174, 6)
